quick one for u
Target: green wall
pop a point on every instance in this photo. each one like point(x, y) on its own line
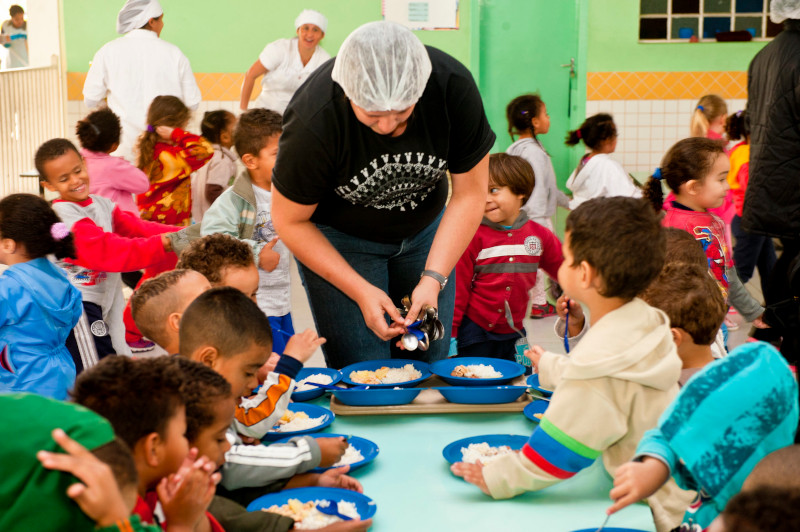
point(227, 36)
point(613, 45)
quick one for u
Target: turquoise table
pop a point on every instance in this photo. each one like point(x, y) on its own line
point(415, 491)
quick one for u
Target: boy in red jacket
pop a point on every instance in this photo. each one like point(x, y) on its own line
point(499, 266)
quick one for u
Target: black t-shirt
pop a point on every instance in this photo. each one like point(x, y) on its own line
point(373, 186)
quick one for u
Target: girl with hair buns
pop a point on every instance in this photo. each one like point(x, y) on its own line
point(40, 306)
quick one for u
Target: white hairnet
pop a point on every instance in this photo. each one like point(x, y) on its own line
point(382, 66)
point(780, 10)
point(136, 13)
point(309, 16)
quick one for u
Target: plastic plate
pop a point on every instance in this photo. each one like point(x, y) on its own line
point(368, 449)
point(313, 411)
point(377, 396)
point(372, 365)
point(365, 506)
point(307, 395)
point(533, 382)
point(452, 453)
point(509, 370)
point(536, 407)
point(473, 395)
point(610, 529)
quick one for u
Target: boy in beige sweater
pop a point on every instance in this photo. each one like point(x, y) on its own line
point(622, 375)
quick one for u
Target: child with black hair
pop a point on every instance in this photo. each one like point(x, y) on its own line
point(527, 117)
point(111, 177)
point(224, 261)
point(40, 306)
point(760, 510)
point(215, 177)
point(749, 250)
point(598, 175)
point(696, 170)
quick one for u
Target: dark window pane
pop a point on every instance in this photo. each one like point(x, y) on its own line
point(748, 23)
point(653, 28)
point(749, 6)
point(773, 29)
point(653, 7)
point(686, 6)
point(716, 6)
point(714, 25)
point(686, 24)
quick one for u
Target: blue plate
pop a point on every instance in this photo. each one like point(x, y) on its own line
point(313, 394)
point(313, 411)
point(509, 370)
point(368, 449)
point(610, 529)
point(365, 506)
point(536, 407)
point(533, 382)
point(452, 453)
point(372, 365)
point(377, 396)
point(473, 395)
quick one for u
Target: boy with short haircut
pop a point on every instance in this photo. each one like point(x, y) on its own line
point(108, 240)
point(727, 418)
point(154, 428)
point(779, 469)
point(224, 261)
point(223, 330)
point(695, 308)
point(157, 306)
point(243, 211)
point(618, 379)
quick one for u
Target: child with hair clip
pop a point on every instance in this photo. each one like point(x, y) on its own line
point(696, 170)
point(750, 250)
point(40, 306)
point(112, 177)
point(215, 177)
point(169, 155)
point(708, 118)
point(598, 175)
point(527, 118)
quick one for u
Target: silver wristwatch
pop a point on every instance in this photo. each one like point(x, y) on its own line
point(441, 279)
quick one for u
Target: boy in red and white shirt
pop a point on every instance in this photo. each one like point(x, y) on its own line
point(499, 266)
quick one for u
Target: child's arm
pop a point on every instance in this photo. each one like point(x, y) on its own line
point(465, 269)
point(193, 149)
point(131, 226)
point(740, 298)
point(223, 217)
point(108, 252)
point(552, 257)
point(127, 177)
point(249, 466)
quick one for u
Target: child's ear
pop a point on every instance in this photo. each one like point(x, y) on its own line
point(207, 355)
point(677, 337)
point(149, 446)
point(8, 246)
point(249, 160)
point(692, 186)
point(48, 186)
point(588, 274)
point(174, 321)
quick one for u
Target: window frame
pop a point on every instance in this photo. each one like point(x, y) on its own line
point(670, 16)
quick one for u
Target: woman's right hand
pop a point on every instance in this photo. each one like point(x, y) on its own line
point(374, 305)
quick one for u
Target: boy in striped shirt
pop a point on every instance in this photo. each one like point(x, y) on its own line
point(621, 376)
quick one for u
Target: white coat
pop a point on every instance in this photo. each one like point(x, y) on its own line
point(601, 177)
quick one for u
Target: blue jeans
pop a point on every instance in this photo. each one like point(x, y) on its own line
point(395, 269)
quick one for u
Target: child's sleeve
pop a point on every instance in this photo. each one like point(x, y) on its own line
point(127, 177)
point(223, 217)
point(465, 268)
point(551, 368)
point(129, 225)
point(193, 149)
point(131, 524)
point(108, 252)
point(740, 298)
point(250, 466)
point(256, 415)
point(552, 256)
point(654, 445)
point(562, 445)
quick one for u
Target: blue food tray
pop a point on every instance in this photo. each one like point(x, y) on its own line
point(368, 448)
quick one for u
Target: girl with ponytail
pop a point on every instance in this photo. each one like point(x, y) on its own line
point(40, 306)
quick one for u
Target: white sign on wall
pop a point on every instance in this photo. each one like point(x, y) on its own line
point(422, 14)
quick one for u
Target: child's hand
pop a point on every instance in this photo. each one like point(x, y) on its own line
point(166, 242)
point(347, 526)
point(268, 367)
point(759, 323)
point(472, 473)
point(535, 355)
point(268, 259)
point(164, 132)
point(98, 496)
point(635, 481)
point(576, 317)
point(302, 346)
point(336, 478)
point(331, 450)
point(185, 496)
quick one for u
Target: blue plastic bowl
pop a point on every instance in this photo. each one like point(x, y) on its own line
point(377, 396)
point(509, 370)
point(365, 506)
point(452, 453)
point(473, 395)
point(313, 394)
point(536, 407)
point(533, 382)
point(313, 411)
point(610, 529)
point(368, 449)
point(372, 365)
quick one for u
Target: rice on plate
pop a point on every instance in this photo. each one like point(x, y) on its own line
point(317, 378)
point(476, 371)
point(297, 421)
point(308, 517)
point(351, 456)
point(386, 375)
point(483, 452)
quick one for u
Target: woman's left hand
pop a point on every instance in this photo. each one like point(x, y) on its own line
point(426, 293)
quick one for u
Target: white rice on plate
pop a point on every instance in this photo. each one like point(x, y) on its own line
point(295, 421)
point(483, 452)
point(386, 375)
point(351, 456)
point(476, 371)
point(318, 378)
point(306, 515)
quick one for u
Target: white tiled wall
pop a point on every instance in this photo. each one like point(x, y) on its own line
point(647, 128)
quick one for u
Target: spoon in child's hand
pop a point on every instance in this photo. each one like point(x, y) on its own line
point(608, 516)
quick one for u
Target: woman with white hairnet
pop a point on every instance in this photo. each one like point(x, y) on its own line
point(286, 63)
point(134, 69)
point(360, 186)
